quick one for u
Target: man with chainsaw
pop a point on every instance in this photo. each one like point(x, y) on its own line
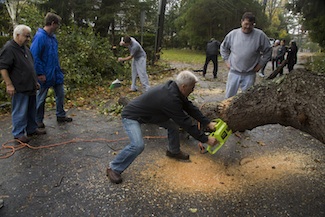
point(167, 106)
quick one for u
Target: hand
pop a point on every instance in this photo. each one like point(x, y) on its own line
point(120, 59)
point(11, 90)
point(228, 64)
point(212, 141)
point(212, 126)
point(41, 78)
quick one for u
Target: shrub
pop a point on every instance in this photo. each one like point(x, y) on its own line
point(85, 57)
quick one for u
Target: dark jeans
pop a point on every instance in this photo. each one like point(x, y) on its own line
point(214, 59)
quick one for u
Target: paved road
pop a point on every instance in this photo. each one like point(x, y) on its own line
point(268, 171)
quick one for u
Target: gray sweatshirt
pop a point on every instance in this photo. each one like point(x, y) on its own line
point(245, 51)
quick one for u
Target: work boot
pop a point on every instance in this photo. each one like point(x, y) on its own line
point(63, 119)
point(113, 176)
point(179, 156)
point(40, 125)
point(23, 139)
point(37, 132)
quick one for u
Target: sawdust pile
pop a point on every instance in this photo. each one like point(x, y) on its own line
point(205, 175)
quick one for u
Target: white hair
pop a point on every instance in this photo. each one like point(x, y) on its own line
point(186, 77)
point(19, 29)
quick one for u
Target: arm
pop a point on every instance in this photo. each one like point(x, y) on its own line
point(122, 59)
point(37, 49)
point(9, 86)
point(225, 50)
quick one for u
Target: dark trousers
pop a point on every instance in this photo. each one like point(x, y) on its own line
point(278, 63)
point(274, 64)
point(214, 59)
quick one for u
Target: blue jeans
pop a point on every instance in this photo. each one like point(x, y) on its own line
point(136, 145)
point(23, 114)
point(59, 100)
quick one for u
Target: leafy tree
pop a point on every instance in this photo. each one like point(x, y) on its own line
point(5, 21)
point(199, 20)
point(314, 17)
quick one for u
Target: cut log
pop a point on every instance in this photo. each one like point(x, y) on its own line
point(296, 99)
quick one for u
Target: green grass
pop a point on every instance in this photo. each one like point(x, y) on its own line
point(184, 56)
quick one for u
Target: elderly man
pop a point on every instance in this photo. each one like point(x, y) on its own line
point(165, 105)
point(17, 70)
point(245, 50)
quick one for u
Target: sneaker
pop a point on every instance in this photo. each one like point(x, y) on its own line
point(23, 139)
point(40, 125)
point(114, 176)
point(37, 132)
point(179, 156)
point(261, 75)
point(63, 119)
point(133, 90)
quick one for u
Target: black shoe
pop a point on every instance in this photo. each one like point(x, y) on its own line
point(40, 125)
point(114, 176)
point(37, 132)
point(63, 119)
point(23, 139)
point(180, 156)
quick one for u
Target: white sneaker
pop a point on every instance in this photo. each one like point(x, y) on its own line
point(261, 75)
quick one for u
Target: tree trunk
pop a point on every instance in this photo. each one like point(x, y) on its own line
point(296, 99)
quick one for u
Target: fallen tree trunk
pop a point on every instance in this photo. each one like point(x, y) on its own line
point(296, 99)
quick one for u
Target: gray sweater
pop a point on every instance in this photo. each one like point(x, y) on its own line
point(245, 51)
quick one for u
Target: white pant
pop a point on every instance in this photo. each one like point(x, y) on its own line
point(236, 80)
point(139, 68)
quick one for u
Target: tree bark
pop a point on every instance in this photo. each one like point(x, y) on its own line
point(296, 99)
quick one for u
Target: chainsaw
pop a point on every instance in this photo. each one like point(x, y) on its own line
point(221, 133)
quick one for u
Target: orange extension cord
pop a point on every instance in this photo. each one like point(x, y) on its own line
point(13, 148)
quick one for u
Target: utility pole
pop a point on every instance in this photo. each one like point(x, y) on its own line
point(160, 29)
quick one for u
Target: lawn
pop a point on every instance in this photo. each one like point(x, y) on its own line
point(183, 55)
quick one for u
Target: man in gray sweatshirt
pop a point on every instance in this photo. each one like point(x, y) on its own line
point(245, 50)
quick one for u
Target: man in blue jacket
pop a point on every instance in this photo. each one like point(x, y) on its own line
point(165, 105)
point(46, 60)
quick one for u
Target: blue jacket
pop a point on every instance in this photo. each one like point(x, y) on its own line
point(44, 49)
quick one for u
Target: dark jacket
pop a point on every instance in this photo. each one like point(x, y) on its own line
point(45, 52)
point(18, 61)
point(165, 102)
point(292, 55)
point(281, 52)
point(213, 47)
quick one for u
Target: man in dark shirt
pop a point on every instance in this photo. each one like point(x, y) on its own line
point(212, 55)
point(17, 70)
point(167, 106)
